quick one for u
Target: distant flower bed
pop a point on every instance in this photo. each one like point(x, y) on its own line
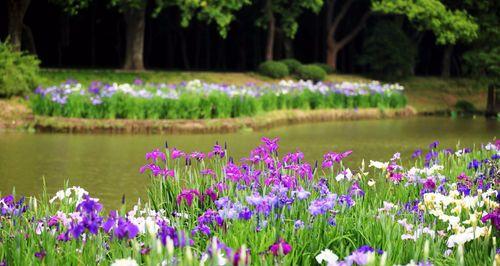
point(208, 209)
point(195, 99)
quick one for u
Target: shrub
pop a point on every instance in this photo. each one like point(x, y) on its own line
point(292, 64)
point(387, 52)
point(311, 72)
point(326, 67)
point(273, 69)
point(18, 71)
point(465, 107)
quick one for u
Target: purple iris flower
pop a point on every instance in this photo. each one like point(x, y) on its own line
point(178, 238)
point(429, 184)
point(211, 194)
point(155, 155)
point(494, 217)
point(9, 207)
point(40, 255)
point(416, 153)
point(208, 172)
point(254, 200)
point(347, 200)
point(245, 214)
point(188, 195)
point(332, 157)
point(271, 144)
point(177, 153)
point(293, 157)
point(217, 150)
point(463, 189)
point(233, 172)
point(301, 194)
point(121, 227)
point(298, 224)
point(474, 164)
point(322, 205)
point(366, 249)
point(322, 187)
point(280, 247)
point(222, 202)
point(434, 145)
point(356, 190)
point(305, 171)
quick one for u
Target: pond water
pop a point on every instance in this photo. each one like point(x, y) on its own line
point(107, 165)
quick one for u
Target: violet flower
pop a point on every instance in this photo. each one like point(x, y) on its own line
point(280, 247)
point(494, 217)
point(188, 195)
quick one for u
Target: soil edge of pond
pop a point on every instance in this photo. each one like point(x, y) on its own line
point(201, 126)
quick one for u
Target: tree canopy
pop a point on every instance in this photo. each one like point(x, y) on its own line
point(449, 26)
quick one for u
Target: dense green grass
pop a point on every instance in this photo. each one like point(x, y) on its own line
point(214, 105)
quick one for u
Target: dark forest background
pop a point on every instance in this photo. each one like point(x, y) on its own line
point(95, 38)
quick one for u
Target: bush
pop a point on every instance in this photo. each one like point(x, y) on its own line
point(18, 71)
point(387, 52)
point(311, 72)
point(327, 68)
point(273, 69)
point(292, 64)
point(465, 107)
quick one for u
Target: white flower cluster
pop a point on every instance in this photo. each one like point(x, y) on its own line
point(453, 207)
point(73, 194)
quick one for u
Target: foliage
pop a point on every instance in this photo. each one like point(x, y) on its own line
point(196, 100)
point(288, 13)
point(483, 59)
point(326, 67)
point(387, 52)
point(449, 26)
point(266, 209)
point(274, 69)
point(72, 7)
point(292, 64)
point(18, 71)
point(220, 12)
point(311, 72)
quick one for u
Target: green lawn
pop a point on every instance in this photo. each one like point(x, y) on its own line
point(426, 94)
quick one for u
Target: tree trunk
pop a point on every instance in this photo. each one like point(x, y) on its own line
point(332, 23)
point(185, 58)
point(446, 64)
point(92, 36)
point(271, 28)
point(135, 20)
point(288, 45)
point(492, 102)
point(16, 9)
point(29, 40)
point(331, 56)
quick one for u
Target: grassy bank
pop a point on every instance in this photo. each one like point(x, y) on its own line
point(426, 94)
